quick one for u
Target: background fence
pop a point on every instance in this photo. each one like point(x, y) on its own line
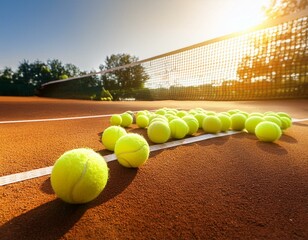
point(267, 62)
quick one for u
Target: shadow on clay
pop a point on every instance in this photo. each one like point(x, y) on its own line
point(271, 147)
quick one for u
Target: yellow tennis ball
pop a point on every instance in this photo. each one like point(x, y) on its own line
point(179, 128)
point(141, 113)
point(160, 111)
point(251, 123)
point(79, 175)
point(233, 111)
point(170, 117)
point(142, 121)
point(192, 124)
point(225, 121)
point(127, 119)
point(115, 120)
point(158, 117)
point(274, 119)
point(159, 132)
point(111, 135)
point(132, 150)
point(256, 114)
point(181, 113)
point(200, 117)
point(133, 115)
point(285, 122)
point(267, 131)
point(238, 121)
point(210, 113)
point(211, 124)
point(283, 114)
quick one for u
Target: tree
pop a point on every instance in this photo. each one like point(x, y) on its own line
point(71, 70)
point(7, 75)
point(279, 8)
point(127, 78)
point(56, 68)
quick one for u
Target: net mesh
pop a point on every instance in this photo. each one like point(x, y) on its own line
point(268, 62)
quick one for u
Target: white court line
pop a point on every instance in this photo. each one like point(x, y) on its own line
point(54, 119)
point(299, 120)
point(18, 177)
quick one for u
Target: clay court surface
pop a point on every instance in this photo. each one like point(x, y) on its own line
point(231, 187)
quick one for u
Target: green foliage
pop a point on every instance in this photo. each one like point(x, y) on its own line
point(28, 77)
point(132, 77)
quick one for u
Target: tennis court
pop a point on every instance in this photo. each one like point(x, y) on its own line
point(229, 187)
point(205, 186)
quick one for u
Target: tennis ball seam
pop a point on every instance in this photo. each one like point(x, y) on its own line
point(122, 158)
point(127, 162)
point(84, 170)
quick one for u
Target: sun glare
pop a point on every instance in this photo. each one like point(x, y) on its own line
point(240, 15)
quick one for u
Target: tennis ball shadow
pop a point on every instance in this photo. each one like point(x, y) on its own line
point(271, 147)
point(119, 179)
point(214, 141)
point(46, 187)
point(48, 221)
point(288, 139)
point(301, 124)
point(245, 135)
point(55, 218)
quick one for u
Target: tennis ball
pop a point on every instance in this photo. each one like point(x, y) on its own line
point(111, 135)
point(170, 112)
point(179, 128)
point(159, 132)
point(133, 115)
point(211, 124)
point(158, 118)
point(132, 150)
point(267, 131)
point(283, 114)
point(142, 121)
point(273, 119)
point(233, 111)
point(200, 117)
point(246, 114)
point(225, 113)
point(211, 113)
point(251, 123)
point(115, 120)
point(192, 124)
point(256, 114)
point(170, 117)
point(127, 119)
point(238, 121)
point(79, 175)
point(285, 123)
point(181, 113)
point(225, 121)
point(160, 111)
point(141, 113)
point(192, 111)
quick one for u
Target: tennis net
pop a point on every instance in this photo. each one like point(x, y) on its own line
point(267, 62)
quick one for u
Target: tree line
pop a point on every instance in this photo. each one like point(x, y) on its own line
point(30, 77)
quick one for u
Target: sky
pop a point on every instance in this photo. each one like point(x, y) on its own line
point(85, 32)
